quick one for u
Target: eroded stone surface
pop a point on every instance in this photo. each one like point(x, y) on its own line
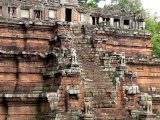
point(56, 65)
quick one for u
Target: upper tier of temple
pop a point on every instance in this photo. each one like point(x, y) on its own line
point(70, 11)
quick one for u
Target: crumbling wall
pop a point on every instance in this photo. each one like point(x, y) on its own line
point(23, 50)
point(118, 40)
point(21, 38)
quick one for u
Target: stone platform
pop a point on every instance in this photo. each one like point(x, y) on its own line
point(145, 116)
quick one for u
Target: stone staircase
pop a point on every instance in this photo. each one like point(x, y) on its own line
point(99, 88)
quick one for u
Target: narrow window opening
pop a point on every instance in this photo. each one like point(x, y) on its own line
point(93, 21)
point(38, 14)
point(126, 22)
point(68, 15)
point(116, 20)
point(12, 12)
point(107, 21)
point(116, 23)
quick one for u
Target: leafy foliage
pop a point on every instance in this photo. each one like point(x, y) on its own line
point(129, 5)
point(153, 26)
point(90, 3)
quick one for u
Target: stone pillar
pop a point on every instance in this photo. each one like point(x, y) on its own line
point(18, 12)
point(58, 14)
point(79, 17)
point(95, 20)
point(90, 20)
point(137, 25)
point(5, 11)
point(46, 15)
point(31, 13)
point(118, 24)
point(85, 17)
point(111, 22)
point(100, 19)
point(121, 22)
point(133, 24)
point(144, 25)
point(74, 15)
point(61, 13)
point(130, 24)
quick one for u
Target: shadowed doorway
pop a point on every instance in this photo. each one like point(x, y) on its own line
point(68, 15)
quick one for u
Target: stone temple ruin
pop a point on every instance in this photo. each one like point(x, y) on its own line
point(63, 61)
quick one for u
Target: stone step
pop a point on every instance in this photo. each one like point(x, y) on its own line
point(96, 87)
point(100, 90)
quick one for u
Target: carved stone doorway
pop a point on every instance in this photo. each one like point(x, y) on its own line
point(68, 15)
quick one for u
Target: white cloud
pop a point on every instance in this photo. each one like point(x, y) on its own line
point(152, 5)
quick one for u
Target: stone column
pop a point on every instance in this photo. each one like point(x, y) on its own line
point(118, 24)
point(144, 25)
point(18, 12)
point(61, 13)
point(79, 17)
point(62, 18)
point(95, 20)
point(46, 15)
point(5, 11)
point(121, 22)
point(100, 19)
point(111, 22)
point(137, 25)
point(74, 15)
point(31, 13)
point(130, 24)
point(90, 20)
point(133, 24)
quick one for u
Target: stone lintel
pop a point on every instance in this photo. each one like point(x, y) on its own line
point(18, 99)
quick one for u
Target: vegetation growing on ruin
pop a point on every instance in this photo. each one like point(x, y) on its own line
point(153, 26)
point(90, 3)
point(129, 5)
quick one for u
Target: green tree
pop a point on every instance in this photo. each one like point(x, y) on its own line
point(90, 3)
point(130, 5)
point(153, 26)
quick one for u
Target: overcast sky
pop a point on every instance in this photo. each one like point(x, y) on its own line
point(152, 5)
